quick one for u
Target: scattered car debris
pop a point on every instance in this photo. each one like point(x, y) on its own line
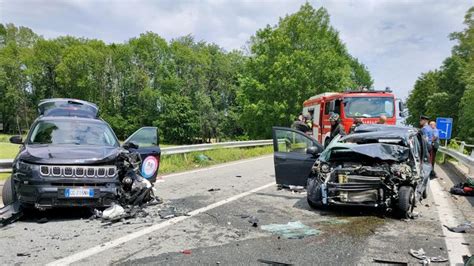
point(186, 251)
point(462, 228)
point(21, 254)
point(10, 213)
point(297, 188)
point(291, 230)
point(468, 260)
point(425, 260)
point(271, 262)
point(213, 189)
point(253, 220)
point(390, 261)
point(170, 212)
point(113, 212)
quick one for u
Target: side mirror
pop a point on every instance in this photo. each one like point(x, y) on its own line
point(401, 108)
point(16, 140)
point(130, 145)
point(313, 150)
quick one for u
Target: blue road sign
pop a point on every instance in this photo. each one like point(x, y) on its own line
point(445, 127)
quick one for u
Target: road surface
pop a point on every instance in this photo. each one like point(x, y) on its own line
point(217, 231)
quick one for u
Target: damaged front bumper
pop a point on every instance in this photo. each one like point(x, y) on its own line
point(354, 194)
point(55, 192)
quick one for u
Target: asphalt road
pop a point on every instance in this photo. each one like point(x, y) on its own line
point(217, 230)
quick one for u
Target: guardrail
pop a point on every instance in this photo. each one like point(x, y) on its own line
point(468, 161)
point(6, 164)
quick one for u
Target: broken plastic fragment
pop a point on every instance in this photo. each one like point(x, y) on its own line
point(462, 228)
point(113, 212)
point(291, 230)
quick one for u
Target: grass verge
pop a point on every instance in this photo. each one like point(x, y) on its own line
point(182, 162)
point(4, 176)
point(8, 150)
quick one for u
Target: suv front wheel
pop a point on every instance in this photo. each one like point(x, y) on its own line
point(8, 192)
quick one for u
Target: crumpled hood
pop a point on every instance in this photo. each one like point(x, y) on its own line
point(68, 154)
point(381, 151)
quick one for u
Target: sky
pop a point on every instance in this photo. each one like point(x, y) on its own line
point(396, 39)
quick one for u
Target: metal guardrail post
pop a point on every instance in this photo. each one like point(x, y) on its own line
point(461, 147)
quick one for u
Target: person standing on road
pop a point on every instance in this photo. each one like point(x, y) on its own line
point(336, 127)
point(382, 120)
point(300, 124)
point(357, 122)
point(427, 132)
point(434, 145)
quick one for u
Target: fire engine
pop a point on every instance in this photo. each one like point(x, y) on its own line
point(368, 105)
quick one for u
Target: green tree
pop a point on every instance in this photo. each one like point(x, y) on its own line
point(298, 58)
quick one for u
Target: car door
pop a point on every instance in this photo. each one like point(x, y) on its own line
point(291, 158)
point(146, 138)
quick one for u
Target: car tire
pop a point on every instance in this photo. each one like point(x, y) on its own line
point(8, 192)
point(406, 202)
point(314, 197)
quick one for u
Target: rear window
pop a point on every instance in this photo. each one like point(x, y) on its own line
point(72, 132)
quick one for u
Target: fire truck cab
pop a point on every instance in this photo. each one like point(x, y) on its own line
point(368, 105)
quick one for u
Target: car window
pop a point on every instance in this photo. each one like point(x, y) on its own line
point(72, 132)
point(144, 137)
point(290, 141)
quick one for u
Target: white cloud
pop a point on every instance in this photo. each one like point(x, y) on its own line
point(397, 40)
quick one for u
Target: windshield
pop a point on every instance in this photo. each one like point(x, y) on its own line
point(72, 132)
point(368, 106)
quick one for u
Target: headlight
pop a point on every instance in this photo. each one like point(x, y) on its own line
point(325, 168)
point(24, 168)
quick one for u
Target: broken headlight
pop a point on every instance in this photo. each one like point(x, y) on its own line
point(325, 168)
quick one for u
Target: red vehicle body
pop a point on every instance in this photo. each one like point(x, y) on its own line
point(366, 105)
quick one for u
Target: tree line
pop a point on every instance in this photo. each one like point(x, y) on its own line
point(192, 90)
point(449, 90)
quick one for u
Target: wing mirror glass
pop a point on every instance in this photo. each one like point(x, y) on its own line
point(16, 139)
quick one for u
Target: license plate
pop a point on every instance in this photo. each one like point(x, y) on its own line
point(78, 193)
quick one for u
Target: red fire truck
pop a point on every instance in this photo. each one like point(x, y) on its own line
point(368, 105)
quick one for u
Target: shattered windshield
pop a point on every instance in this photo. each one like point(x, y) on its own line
point(368, 106)
point(72, 132)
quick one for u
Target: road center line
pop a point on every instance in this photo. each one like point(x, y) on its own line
point(448, 214)
point(108, 245)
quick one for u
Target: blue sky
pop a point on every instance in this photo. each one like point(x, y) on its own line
point(396, 39)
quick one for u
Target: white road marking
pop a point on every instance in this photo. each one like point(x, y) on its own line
point(448, 214)
point(108, 245)
point(213, 167)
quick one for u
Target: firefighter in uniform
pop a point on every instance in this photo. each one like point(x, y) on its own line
point(336, 127)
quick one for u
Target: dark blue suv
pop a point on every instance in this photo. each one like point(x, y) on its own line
point(72, 158)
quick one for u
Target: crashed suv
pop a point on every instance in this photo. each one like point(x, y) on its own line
point(71, 157)
point(377, 166)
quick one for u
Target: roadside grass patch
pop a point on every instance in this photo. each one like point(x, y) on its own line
point(8, 150)
point(4, 176)
point(193, 160)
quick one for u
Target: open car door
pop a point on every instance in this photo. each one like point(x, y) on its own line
point(294, 155)
point(146, 138)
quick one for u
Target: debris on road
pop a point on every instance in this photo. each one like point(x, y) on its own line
point(462, 228)
point(113, 212)
point(275, 263)
point(390, 261)
point(253, 220)
point(291, 230)
point(297, 188)
point(170, 212)
point(213, 189)
point(186, 251)
point(468, 260)
point(425, 260)
point(21, 254)
point(10, 213)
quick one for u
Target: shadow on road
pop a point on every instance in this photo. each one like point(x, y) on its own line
point(56, 215)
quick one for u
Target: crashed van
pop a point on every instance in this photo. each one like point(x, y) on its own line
point(378, 166)
point(71, 157)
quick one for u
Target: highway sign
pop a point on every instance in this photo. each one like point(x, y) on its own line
point(445, 127)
